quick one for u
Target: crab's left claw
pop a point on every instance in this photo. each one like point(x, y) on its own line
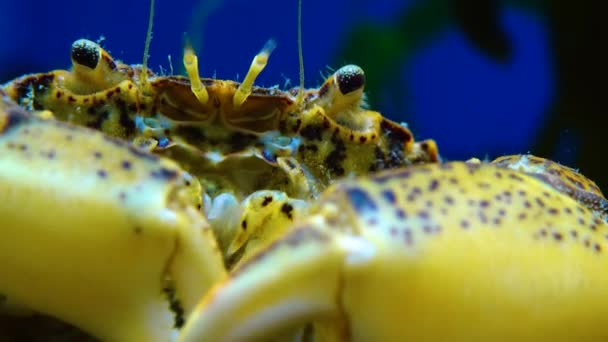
point(294, 281)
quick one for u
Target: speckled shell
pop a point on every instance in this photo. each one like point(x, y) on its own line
point(328, 138)
point(564, 179)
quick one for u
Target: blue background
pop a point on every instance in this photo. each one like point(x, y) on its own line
point(447, 89)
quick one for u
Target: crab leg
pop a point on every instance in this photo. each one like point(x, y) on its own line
point(295, 280)
point(267, 214)
point(257, 65)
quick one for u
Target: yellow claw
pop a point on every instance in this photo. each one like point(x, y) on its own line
point(257, 65)
point(97, 233)
point(483, 251)
point(191, 65)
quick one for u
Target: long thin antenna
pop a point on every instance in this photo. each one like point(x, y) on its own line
point(144, 67)
point(300, 97)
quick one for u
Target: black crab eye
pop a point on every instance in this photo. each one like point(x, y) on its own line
point(350, 78)
point(86, 53)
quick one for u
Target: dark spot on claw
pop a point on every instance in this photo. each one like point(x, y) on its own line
point(287, 209)
point(266, 201)
point(164, 174)
point(134, 150)
point(13, 120)
point(433, 185)
point(389, 195)
point(557, 236)
point(360, 200)
point(464, 224)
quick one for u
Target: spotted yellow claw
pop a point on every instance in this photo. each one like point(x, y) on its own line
point(113, 263)
point(440, 252)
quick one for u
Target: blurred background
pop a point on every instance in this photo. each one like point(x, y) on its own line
point(482, 77)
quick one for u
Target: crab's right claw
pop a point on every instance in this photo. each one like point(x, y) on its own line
point(115, 246)
point(290, 283)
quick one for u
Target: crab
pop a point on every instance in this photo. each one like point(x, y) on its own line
point(247, 212)
point(454, 251)
point(392, 244)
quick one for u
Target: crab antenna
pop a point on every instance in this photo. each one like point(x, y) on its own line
point(144, 67)
point(300, 97)
point(257, 65)
point(191, 66)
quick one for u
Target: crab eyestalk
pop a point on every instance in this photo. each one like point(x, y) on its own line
point(343, 90)
point(93, 69)
point(257, 65)
point(296, 280)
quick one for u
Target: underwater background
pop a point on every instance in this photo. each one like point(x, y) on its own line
point(483, 78)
